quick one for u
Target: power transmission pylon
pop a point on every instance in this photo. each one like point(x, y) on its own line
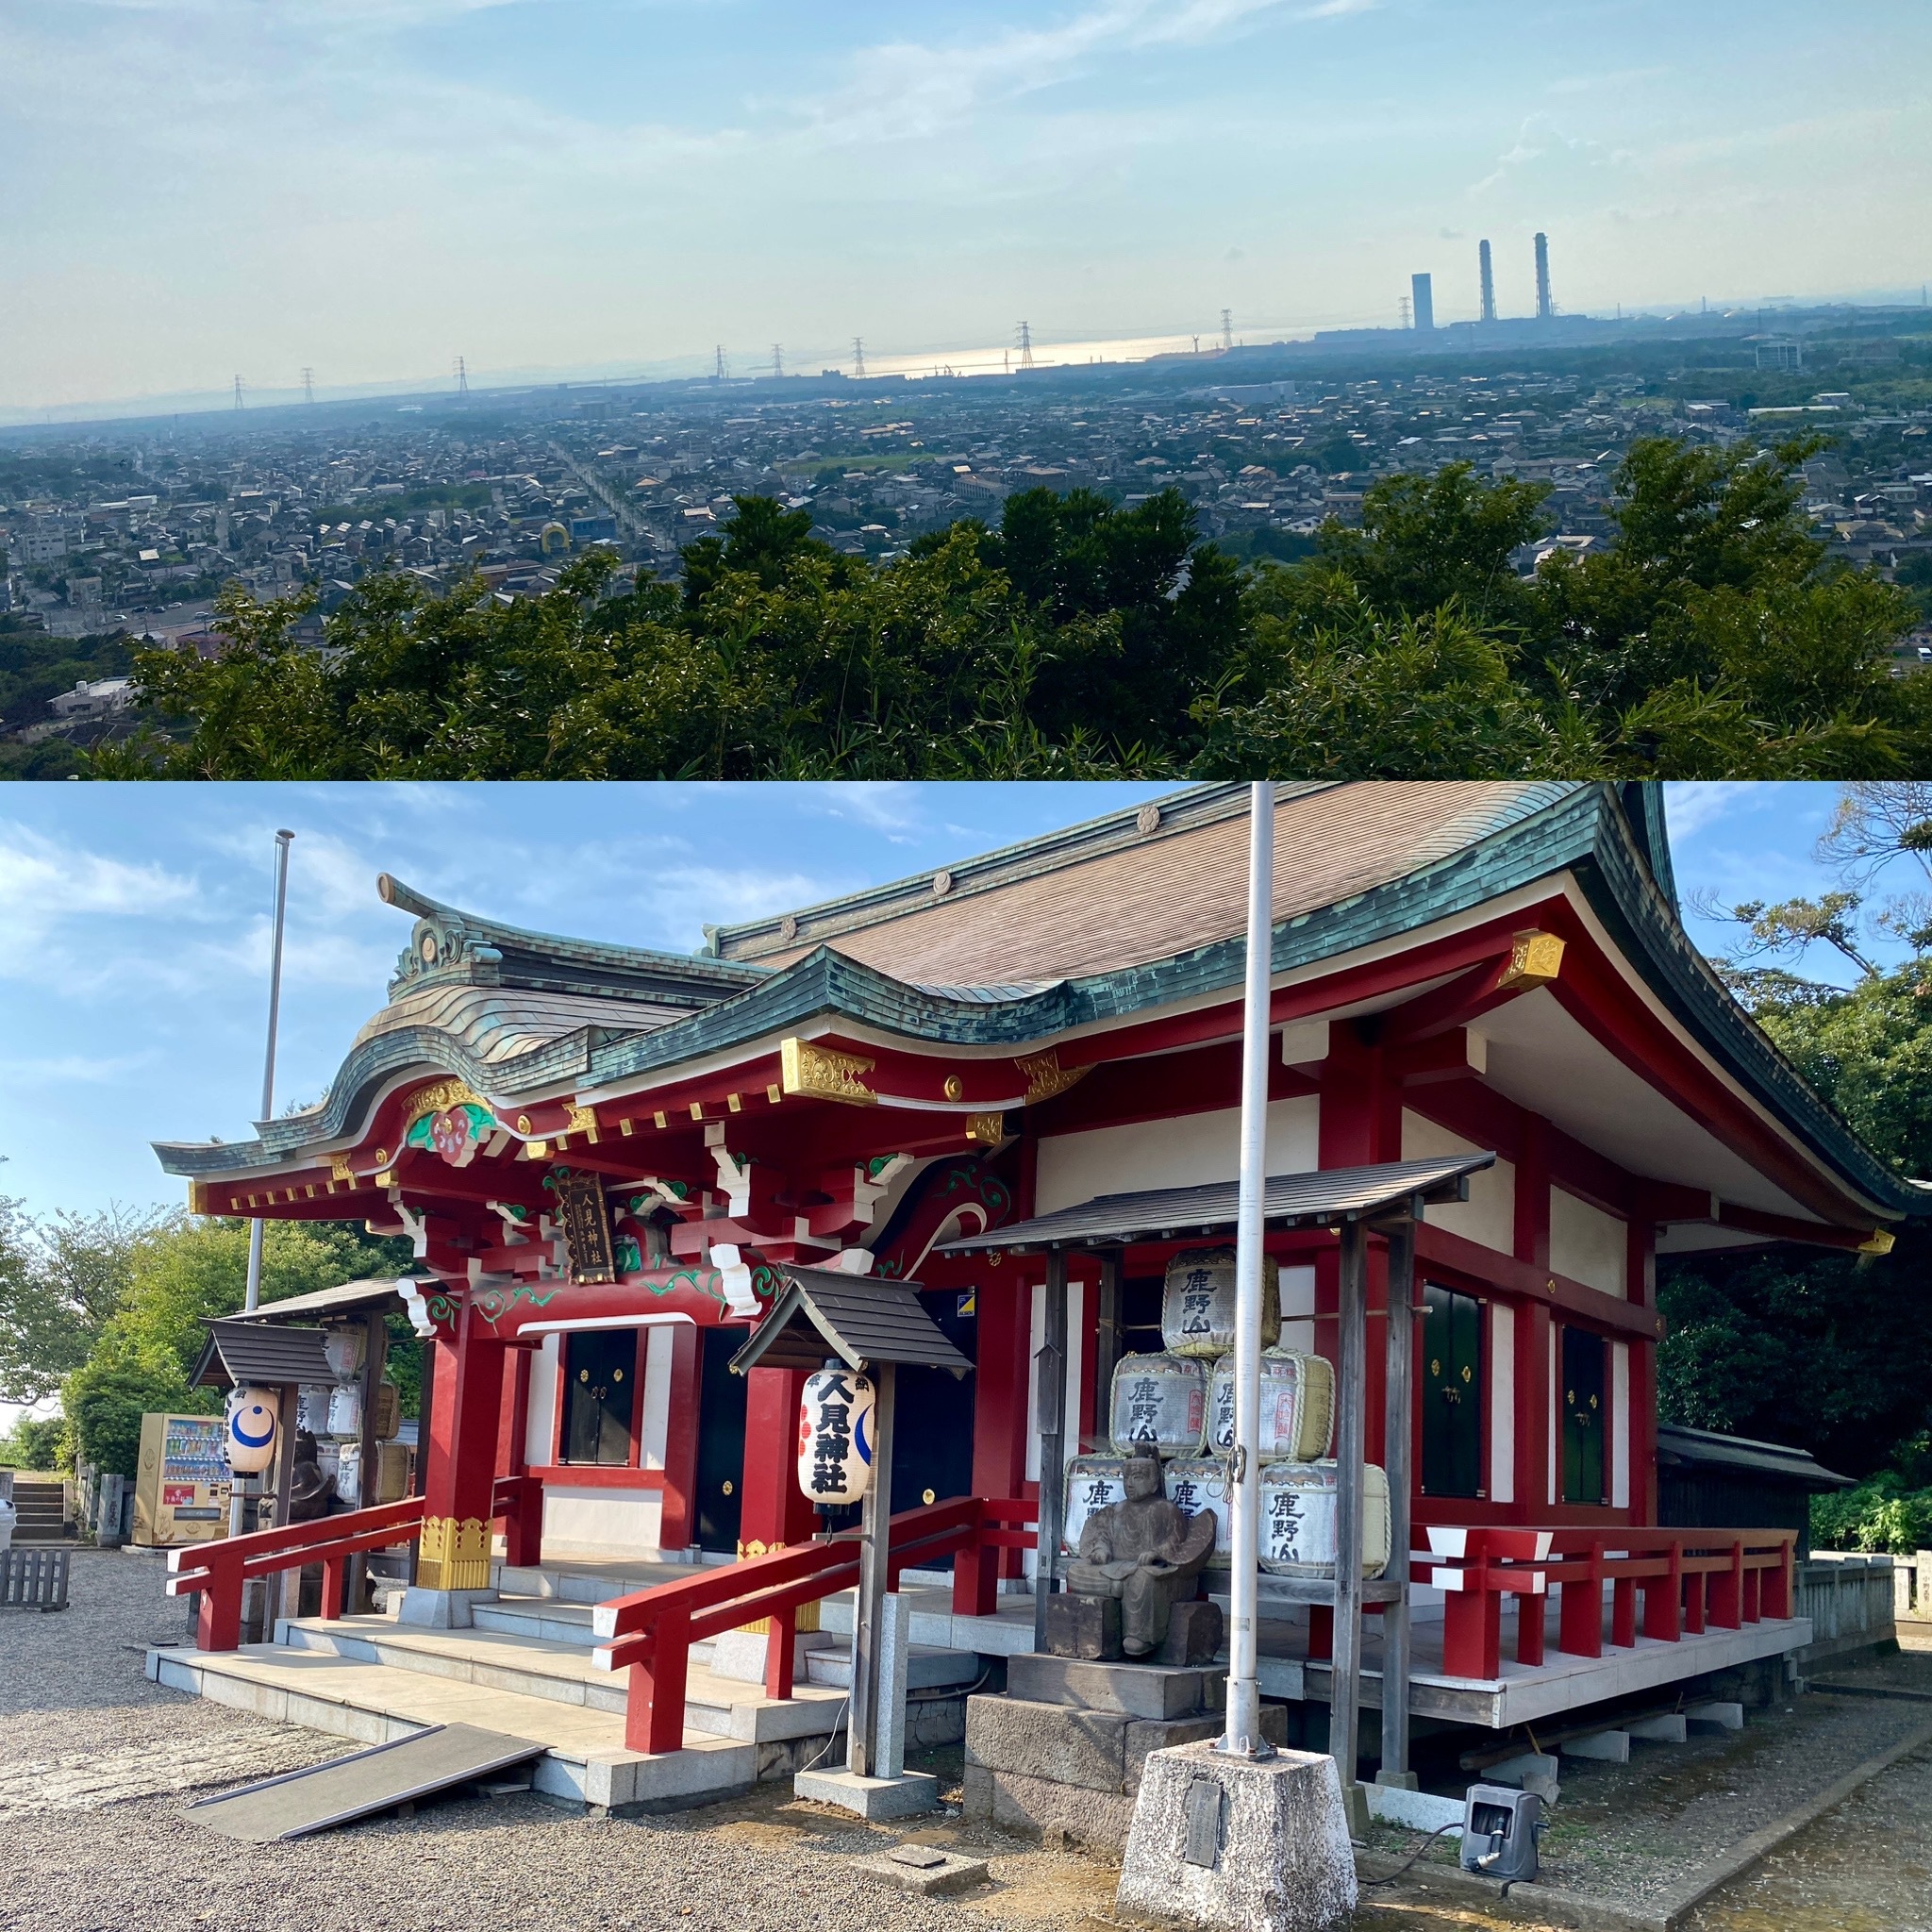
point(1026, 345)
point(720, 368)
point(462, 376)
point(1227, 330)
point(779, 360)
point(238, 391)
point(859, 356)
point(308, 384)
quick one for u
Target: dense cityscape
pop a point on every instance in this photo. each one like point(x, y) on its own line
point(120, 532)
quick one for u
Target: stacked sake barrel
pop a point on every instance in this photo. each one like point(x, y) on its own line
point(1180, 1406)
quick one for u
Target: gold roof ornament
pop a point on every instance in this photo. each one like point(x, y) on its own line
point(1046, 1077)
point(1536, 958)
point(822, 1073)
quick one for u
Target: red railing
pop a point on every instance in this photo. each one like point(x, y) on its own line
point(218, 1569)
point(1690, 1580)
point(650, 1634)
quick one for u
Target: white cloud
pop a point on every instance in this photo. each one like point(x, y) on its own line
point(46, 885)
point(1693, 809)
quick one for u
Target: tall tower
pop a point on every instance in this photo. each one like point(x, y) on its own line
point(1424, 288)
point(308, 384)
point(1024, 336)
point(720, 369)
point(858, 354)
point(1545, 309)
point(779, 360)
point(238, 391)
point(1488, 269)
point(462, 376)
point(1227, 330)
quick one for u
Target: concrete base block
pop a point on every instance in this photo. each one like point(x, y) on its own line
point(440, 1610)
point(927, 1870)
point(1613, 1747)
point(1722, 1717)
point(1534, 1771)
point(1131, 1690)
point(1047, 1741)
point(1668, 1730)
point(1398, 1781)
point(1038, 1808)
point(1084, 1626)
point(1420, 1811)
point(1238, 1844)
point(870, 1798)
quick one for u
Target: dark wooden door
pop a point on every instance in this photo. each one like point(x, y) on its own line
point(1585, 1416)
point(600, 1396)
point(1452, 1394)
point(720, 1441)
point(932, 1419)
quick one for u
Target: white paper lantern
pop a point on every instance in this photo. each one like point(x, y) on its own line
point(834, 1437)
point(1298, 1407)
point(249, 1440)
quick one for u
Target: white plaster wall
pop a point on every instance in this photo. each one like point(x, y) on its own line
point(1488, 1215)
point(1587, 1245)
point(1620, 1425)
point(1298, 1309)
point(1178, 1153)
point(656, 1421)
point(1502, 1403)
point(539, 1428)
point(588, 1522)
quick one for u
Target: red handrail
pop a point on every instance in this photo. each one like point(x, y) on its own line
point(650, 1632)
point(218, 1569)
point(1478, 1566)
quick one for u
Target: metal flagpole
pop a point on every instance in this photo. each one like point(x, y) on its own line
point(1244, 1736)
point(268, 1069)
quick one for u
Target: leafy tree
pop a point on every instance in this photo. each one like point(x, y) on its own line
point(61, 1282)
point(33, 1442)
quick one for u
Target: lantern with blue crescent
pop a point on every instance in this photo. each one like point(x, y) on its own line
point(834, 1436)
point(249, 1440)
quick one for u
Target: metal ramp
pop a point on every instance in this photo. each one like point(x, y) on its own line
point(301, 1803)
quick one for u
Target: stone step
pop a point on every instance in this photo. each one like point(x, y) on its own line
point(560, 1672)
point(555, 1619)
point(585, 1758)
point(928, 1668)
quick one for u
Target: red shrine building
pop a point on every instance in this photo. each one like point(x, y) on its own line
point(608, 1158)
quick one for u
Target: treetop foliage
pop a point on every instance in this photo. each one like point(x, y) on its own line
point(1082, 637)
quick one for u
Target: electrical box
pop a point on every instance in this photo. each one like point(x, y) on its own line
point(1500, 1830)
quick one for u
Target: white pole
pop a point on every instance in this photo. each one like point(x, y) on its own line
point(1243, 1736)
point(268, 1069)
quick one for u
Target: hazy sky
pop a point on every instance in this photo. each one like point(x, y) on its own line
point(197, 187)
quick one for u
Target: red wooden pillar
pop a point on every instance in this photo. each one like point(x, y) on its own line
point(465, 1424)
point(1361, 1124)
point(676, 1523)
point(1004, 1305)
point(774, 1513)
point(1533, 1335)
point(1641, 1277)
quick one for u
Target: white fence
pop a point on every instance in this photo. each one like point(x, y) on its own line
point(1849, 1600)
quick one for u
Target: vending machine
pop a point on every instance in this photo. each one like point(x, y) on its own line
point(181, 1489)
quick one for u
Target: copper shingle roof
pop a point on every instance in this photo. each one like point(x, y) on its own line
point(1111, 896)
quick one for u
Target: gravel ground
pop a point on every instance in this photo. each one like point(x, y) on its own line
point(1629, 1833)
point(94, 1761)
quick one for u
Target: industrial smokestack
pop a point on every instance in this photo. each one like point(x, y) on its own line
point(1545, 309)
point(1422, 288)
point(1489, 274)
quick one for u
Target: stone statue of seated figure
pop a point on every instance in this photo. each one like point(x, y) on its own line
point(1145, 1551)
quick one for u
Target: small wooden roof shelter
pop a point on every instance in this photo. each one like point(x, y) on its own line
point(866, 1323)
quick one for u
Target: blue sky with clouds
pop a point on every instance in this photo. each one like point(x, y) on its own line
point(134, 918)
point(370, 187)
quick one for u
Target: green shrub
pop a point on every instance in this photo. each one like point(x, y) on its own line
point(34, 1443)
point(1878, 1516)
point(105, 1402)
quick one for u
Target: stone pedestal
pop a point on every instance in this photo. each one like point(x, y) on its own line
point(440, 1610)
point(1062, 1750)
point(904, 1796)
point(1238, 1844)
